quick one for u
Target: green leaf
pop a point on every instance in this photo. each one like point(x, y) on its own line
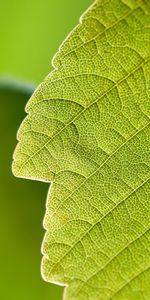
point(87, 132)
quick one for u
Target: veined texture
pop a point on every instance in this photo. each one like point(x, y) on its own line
point(87, 132)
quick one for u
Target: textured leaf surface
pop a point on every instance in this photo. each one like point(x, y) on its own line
point(87, 132)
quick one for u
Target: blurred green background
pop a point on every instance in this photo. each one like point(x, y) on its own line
point(31, 32)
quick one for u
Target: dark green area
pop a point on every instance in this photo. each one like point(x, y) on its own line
point(22, 207)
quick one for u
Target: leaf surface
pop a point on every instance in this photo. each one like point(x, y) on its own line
point(87, 132)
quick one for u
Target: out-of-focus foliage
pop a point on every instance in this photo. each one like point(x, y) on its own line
point(21, 216)
point(31, 32)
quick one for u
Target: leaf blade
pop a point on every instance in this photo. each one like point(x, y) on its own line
point(87, 133)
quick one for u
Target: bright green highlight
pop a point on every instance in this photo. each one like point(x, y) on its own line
point(31, 32)
point(87, 132)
